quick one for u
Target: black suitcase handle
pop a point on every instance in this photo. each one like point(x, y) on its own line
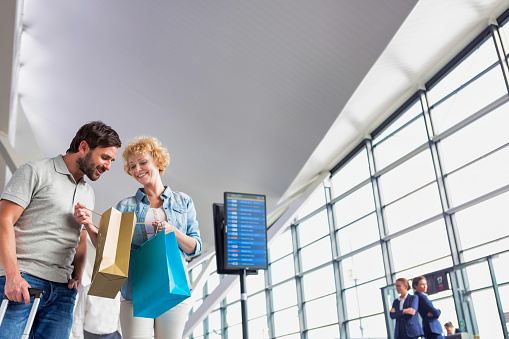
point(34, 293)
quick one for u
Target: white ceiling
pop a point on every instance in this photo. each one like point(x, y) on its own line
point(248, 96)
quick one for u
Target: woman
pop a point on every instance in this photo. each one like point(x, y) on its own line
point(158, 207)
point(429, 314)
point(404, 310)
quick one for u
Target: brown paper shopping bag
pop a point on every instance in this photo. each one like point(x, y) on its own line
point(112, 253)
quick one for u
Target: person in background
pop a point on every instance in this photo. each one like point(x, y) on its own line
point(41, 244)
point(429, 314)
point(449, 328)
point(95, 317)
point(404, 310)
point(159, 208)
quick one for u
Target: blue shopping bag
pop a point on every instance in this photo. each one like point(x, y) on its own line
point(159, 280)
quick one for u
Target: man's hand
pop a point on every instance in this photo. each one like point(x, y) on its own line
point(82, 215)
point(16, 289)
point(74, 283)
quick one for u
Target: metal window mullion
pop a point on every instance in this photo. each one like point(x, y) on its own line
point(451, 230)
point(269, 303)
point(499, 46)
point(382, 221)
point(336, 265)
point(459, 279)
point(298, 282)
point(497, 297)
point(224, 323)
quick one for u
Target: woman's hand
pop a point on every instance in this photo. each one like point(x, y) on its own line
point(430, 314)
point(409, 310)
point(160, 225)
point(393, 310)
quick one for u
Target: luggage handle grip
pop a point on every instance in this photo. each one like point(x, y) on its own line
point(34, 293)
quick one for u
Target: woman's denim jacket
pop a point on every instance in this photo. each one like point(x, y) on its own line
point(180, 212)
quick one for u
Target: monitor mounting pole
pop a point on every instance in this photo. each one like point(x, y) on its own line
point(243, 302)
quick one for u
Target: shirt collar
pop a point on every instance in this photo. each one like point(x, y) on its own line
point(61, 167)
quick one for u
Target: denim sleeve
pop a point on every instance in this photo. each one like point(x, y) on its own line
point(192, 227)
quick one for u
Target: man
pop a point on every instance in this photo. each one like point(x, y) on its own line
point(41, 243)
point(449, 328)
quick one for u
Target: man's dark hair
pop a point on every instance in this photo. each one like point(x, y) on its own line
point(96, 134)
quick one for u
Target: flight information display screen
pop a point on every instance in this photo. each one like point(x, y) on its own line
point(246, 231)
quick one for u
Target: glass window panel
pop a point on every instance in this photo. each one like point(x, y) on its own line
point(234, 331)
point(314, 228)
point(233, 314)
point(365, 266)
point(215, 322)
point(215, 335)
point(364, 299)
point(315, 254)
point(400, 144)
point(406, 117)
point(478, 275)
point(488, 320)
point(500, 263)
point(350, 175)
point(349, 239)
point(469, 100)
point(321, 312)
point(484, 222)
point(319, 283)
point(212, 282)
point(414, 248)
point(315, 200)
point(256, 305)
point(198, 293)
point(281, 245)
point(407, 177)
point(198, 330)
point(282, 269)
point(371, 327)
point(195, 271)
point(486, 249)
point(258, 328)
point(484, 56)
point(354, 206)
point(504, 297)
point(426, 268)
point(479, 178)
point(286, 321)
point(284, 295)
point(414, 208)
point(324, 332)
point(255, 282)
point(234, 293)
point(476, 139)
point(197, 304)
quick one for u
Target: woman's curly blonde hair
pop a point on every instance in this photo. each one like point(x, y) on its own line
point(147, 145)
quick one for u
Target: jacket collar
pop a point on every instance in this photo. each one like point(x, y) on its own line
point(142, 197)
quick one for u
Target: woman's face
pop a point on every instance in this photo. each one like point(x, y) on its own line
point(143, 169)
point(401, 288)
point(422, 286)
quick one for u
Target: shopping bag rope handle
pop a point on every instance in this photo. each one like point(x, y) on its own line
point(138, 223)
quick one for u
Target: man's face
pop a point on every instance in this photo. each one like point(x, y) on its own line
point(97, 161)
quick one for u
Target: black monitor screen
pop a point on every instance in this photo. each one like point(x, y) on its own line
point(246, 231)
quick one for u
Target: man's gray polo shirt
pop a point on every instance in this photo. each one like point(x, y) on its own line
point(46, 232)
